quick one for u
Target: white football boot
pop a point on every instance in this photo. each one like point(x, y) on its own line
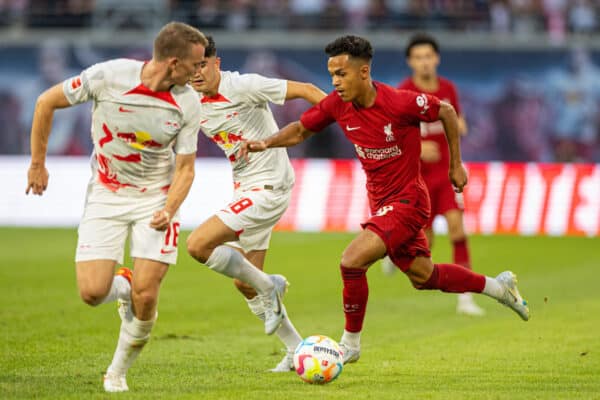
point(286, 364)
point(512, 298)
point(388, 267)
point(115, 383)
point(281, 284)
point(349, 355)
point(274, 309)
point(467, 306)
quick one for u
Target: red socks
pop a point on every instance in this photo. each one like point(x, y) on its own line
point(461, 253)
point(355, 295)
point(454, 279)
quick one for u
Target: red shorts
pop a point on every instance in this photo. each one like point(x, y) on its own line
point(400, 225)
point(443, 198)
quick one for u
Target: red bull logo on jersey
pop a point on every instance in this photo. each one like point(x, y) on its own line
point(227, 140)
point(139, 140)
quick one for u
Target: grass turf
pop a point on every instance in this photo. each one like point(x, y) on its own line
point(207, 345)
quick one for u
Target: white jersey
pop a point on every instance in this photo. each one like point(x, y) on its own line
point(135, 129)
point(240, 111)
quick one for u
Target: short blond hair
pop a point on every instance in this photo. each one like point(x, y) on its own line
point(175, 40)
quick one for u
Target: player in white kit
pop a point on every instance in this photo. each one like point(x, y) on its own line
point(235, 108)
point(145, 125)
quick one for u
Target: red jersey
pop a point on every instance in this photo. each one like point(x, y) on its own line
point(386, 136)
point(435, 131)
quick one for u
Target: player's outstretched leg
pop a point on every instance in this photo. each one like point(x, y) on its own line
point(454, 278)
point(287, 332)
point(231, 263)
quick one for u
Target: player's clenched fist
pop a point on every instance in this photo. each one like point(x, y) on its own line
point(37, 179)
point(458, 177)
point(160, 220)
point(251, 146)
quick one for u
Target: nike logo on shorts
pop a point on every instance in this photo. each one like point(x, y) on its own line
point(352, 128)
point(163, 251)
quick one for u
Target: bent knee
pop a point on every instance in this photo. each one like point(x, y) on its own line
point(197, 249)
point(418, 282)
point(92, 297)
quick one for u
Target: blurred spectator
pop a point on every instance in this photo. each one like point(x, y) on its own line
point(556, 21)
point(500, 18)
point(239, 15)
point(574, 98)
point(71, 126)
point(307, 13)
point(582, 17)
point(12, 139)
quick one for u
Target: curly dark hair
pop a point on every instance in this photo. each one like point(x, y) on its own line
point(420, 39)
point(211, 49)
point(354, 46)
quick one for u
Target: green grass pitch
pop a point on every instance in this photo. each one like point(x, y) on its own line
point(207, 345)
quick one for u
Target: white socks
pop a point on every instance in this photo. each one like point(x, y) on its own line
point(133, 337)
point(120, 289)
point(287, 333)
point(351, 339)
point(231, 263)
point(492, 288)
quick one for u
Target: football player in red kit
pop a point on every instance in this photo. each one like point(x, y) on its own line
point(383, 123)
point(422, 56)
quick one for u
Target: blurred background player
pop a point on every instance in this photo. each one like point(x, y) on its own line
point(143, 113)
point(384, 125)
point(423, 58)
point(235, 107)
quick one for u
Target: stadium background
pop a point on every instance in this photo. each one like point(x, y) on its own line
point(528, 73)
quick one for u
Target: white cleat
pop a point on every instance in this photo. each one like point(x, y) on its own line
point(286, 364)
point(115, 383)
point(281, 284)
point(467, 306)
point(512, 298)
point(388, 267)
point(274, 309)
point(349, 355)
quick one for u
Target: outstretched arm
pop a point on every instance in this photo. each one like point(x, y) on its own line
point(180, 187)
point(306, 91)
point(290, 135)
point(49, 101)
point(457, 173)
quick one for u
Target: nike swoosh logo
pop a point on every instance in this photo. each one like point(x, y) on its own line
point(352, 128)
point(121, 109)
point(163, 251)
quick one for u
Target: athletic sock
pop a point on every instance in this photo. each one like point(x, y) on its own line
point(355, 296)
point(493, 288)
point(231, 263)
point(460, 250)
point(119, 289)
point(133, 337)
point(287, 332)
point(455, 279)
point(351, 339)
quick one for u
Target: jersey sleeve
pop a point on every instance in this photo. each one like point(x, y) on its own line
point(259, 89)
point(87, 85)
point(187, 138)
point(417, 107)
point(320, 115)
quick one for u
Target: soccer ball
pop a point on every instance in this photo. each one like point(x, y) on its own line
point(318, 359)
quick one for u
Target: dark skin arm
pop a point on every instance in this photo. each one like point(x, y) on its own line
point(457, 171)
point(291, 135)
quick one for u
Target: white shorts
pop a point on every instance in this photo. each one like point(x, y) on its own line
point(109, 217)
point(253, 214)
